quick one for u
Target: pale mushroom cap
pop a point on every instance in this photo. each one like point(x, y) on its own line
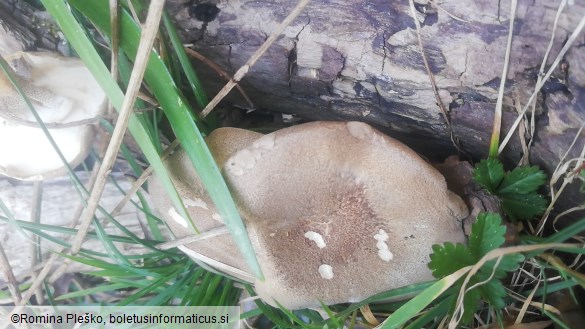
point(222, 143)
point(377, 206)
point(62, 91)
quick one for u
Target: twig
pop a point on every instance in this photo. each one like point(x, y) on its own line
point(244, 69)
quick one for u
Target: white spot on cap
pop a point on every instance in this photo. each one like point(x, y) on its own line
point(385, 254)
point(318, 238)
point(360, 130)
point(381, 245)
point(177, 218)
point(244, 159)
point(326, 271)
point(381, 235)
point(195, 203)
point(265, 143)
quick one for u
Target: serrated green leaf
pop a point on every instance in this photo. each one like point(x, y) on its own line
point(523, 206)
point(522, 180)
point(489, 174)
point(487, 234)
point(471, 301)
point(448, 258)
point(508, 263)
point(493, 291)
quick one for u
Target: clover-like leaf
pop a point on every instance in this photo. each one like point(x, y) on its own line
point(489, 174)
point(487, 234)
point(448, 258)
point(522, 180)
point(523, 206)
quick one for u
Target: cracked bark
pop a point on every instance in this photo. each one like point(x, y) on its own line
point(366, 66)
point(373, 71)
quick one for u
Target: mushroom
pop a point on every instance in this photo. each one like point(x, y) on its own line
point(67, 98)
point(337, 212)
point(222, 143)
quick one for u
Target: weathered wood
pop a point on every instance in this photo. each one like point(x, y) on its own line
point(360, 60)
point(60, 200)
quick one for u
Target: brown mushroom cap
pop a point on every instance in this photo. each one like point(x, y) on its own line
point(338, 212)
point(222, 143)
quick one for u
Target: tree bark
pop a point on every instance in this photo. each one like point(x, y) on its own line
point(360, 60)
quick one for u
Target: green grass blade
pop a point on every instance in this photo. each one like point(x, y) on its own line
point(182, 121)
point(83, 46)
point(422, 300)
point(91, 291)
point(194, 81)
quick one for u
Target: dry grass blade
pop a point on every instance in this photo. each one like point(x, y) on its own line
point(369, 316)
point(143, 177)
point(561, 169)
point(244, 69)
point(115, 27)
point(222, 230)
point(35, 217)
point(496, 255)
point(219, 71)
point(427, 66)
point(9, 275)
point(39, 281)
point(525, 160)
point(495, 139)
point(435, 4)
point(147, 39)
point(558, 59)
point(541, 71)
point(526, 304)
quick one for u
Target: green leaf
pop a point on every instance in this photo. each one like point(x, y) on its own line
point(489, 174)
point(471, 301)
point(523, 206)
point(493, 291)
point(448, 258)
point(487, 234)
point(516, 189)
point(522, 180)
point(508, 263)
